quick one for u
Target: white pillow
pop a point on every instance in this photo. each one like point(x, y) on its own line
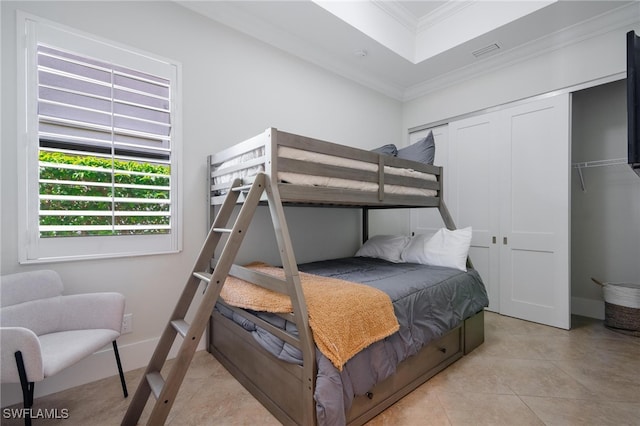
point(445, 248)
point(414, 251)
point(387, 247)
point(449, 248)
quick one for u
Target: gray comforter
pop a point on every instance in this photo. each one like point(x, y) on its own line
point(428, 302)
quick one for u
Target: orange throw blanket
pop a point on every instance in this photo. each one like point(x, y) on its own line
point(344, 317)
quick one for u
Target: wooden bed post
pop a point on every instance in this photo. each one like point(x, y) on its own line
point(446, 216)
point(444, 212)
point(448, 222)
point(365, 224)
point(309, 368)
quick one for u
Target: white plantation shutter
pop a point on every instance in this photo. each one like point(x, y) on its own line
point(90, 110)
point(104, 149)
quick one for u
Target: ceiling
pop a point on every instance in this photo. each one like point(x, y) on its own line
point(406, 49)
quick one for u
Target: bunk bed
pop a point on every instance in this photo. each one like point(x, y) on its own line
point(274, 355)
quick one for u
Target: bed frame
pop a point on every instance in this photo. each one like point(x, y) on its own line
point(286, 389)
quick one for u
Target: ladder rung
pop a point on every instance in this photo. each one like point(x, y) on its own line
point(156, 383)
point(223, 230)
point(181, 326)
point(243, 188)
point(203, 276)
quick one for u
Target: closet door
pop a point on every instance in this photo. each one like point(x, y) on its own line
point(534, 211)
point(428, 220)
point(473, 193)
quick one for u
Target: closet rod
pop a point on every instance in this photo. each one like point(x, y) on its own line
point(596, 163)
point(600, 163)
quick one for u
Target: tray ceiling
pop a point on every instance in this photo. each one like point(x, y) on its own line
point(405, 49)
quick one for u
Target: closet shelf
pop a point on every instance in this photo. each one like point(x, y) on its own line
point(596, 163)
point(600, 163)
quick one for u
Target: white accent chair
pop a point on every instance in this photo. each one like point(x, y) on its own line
point(43, 332)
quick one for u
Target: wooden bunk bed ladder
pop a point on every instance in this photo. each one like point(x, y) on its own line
point(165, 391)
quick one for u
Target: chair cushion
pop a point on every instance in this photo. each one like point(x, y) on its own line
point(61, 313)
point(40, 316)
point(63, 349)
point(26, 286)
point(91, 311)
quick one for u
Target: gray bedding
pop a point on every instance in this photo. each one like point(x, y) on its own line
point(428, 301)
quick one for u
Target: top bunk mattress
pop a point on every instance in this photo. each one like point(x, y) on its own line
point(312, 171)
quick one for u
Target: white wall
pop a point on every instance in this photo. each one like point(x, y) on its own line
point(233, 88)
point(614, 210)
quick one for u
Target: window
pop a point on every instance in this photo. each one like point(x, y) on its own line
point(101, 158)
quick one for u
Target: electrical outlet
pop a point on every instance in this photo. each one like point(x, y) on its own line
point(127, 324)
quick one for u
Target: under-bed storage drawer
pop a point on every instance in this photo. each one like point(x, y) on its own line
point(412, 372)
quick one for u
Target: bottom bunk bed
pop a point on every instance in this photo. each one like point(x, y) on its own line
point(439, 312)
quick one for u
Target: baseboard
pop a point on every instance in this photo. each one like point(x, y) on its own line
point(136, 355)
point(98, 366)
point(587, 307)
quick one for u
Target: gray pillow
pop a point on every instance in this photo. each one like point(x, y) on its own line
point(423, 151)
point(389, 149)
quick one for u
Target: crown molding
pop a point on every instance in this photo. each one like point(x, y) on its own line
point(622, 17)
point(441, 13)
point(399, 13)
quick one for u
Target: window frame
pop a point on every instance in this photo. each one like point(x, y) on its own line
point(33, 249)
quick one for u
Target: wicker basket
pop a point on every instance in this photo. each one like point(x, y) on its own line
point(621, 306)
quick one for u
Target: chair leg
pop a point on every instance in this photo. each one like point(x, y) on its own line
point(27, 388)
point(124, 384)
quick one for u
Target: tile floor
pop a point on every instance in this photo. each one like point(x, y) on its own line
point(524, 374)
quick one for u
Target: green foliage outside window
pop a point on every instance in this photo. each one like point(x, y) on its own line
point(87, 183)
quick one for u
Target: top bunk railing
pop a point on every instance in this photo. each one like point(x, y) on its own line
point(312, 171)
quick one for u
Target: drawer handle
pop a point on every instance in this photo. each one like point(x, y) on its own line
point(370, 395)
point(443, 350)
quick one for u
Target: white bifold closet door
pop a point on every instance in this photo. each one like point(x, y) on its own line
point(474, 193)
point(508, 176)
point(535, 213)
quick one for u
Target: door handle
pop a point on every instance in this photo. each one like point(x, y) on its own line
point(504, 240)
point(493, 239)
